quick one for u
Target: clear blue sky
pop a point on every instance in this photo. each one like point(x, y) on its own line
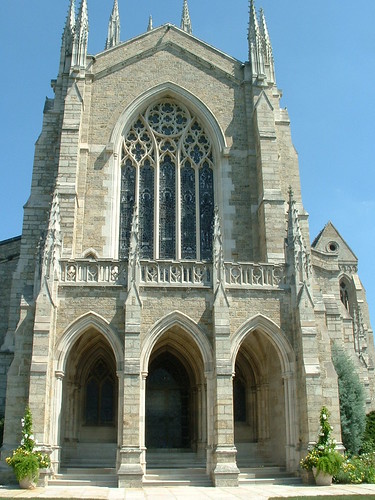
point(325, 64)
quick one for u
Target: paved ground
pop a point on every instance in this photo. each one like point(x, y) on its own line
point(256, 492)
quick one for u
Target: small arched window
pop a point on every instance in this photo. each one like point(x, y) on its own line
point(344, 295)
point(167, 173)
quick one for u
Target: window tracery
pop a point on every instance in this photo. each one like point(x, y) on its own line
point(167, 175)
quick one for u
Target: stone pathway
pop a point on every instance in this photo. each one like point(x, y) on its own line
point(253, 492)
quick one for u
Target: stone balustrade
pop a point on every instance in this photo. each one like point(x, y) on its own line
point(170, 273)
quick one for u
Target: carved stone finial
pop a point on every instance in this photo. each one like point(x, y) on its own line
point(53, 242)
point(68, 39)
point(134, 262)
point(81, 37)
point(267, 49)
point(218, 253)
point(113, 37)
point(185, 19)
point(299, 258)
point(150, 26)
point(260, 49)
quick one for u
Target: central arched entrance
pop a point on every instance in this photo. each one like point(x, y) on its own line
point(175, 429)
point(169, 404)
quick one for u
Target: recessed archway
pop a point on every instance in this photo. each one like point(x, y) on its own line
point(264, 395)
point(89, 403)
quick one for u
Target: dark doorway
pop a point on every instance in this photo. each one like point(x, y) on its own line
point(167, 404)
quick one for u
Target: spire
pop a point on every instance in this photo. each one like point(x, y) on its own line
point(185, 19)
point(255, 45)
point(81, 36)
point(149, 27)
point(113, 38)
point(67, 39)
point(267, 49)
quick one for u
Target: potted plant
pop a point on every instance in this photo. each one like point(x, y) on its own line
point(323, 459)
point(25, 460)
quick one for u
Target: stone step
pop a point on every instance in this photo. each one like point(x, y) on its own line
point(267, 475)
point(105, 477)
point(173, 459)
point(176, 477)
point(89, 454)
point(271, 480)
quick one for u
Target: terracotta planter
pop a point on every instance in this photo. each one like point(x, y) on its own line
point(27, 483)
point(321, 478)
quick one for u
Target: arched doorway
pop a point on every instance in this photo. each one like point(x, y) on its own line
point(168, 405)
point(175, 402)
point(89, 404)
point(259, 403)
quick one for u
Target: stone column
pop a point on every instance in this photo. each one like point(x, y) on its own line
point(130, 471)
point(56, 421)
point(131, 454)
point(290, 421)
point(225, 471)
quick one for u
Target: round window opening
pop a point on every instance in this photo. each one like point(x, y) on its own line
point(332, 246)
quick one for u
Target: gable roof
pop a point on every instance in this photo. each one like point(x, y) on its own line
point(329, 241)
point(166, 37)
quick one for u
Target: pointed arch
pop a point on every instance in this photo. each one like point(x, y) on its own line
point(177, 318)
point(77, 328)
point(170, 89)
point(274, 334)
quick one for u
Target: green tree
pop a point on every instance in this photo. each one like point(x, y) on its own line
point(369, 435)
point(352, 401)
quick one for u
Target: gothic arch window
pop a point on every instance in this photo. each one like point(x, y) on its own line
point(167, 175)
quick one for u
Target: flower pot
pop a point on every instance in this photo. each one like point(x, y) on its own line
point(27, 483)
point(322, 478)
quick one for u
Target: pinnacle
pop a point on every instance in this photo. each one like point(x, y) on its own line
point(185, 19)
point(150, 26)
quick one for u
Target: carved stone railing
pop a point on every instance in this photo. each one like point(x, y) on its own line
point(246, 275)
point(187, 273)
point(90, 272)
point(169, 273)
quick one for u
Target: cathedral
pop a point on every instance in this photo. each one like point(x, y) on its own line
point(164, 304)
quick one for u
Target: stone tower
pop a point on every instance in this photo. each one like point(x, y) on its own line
point(166, 296)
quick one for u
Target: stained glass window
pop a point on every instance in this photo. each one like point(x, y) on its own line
point(167, 173)
point(167, 209)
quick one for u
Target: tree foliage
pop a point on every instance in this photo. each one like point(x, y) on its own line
point(352, 401)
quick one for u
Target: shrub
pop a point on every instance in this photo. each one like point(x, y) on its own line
point(369, 434)
point(352, 401)
point(25, 461)
point(1, 430)
point(323, 455)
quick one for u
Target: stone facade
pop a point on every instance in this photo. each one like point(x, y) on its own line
point(120, 342)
